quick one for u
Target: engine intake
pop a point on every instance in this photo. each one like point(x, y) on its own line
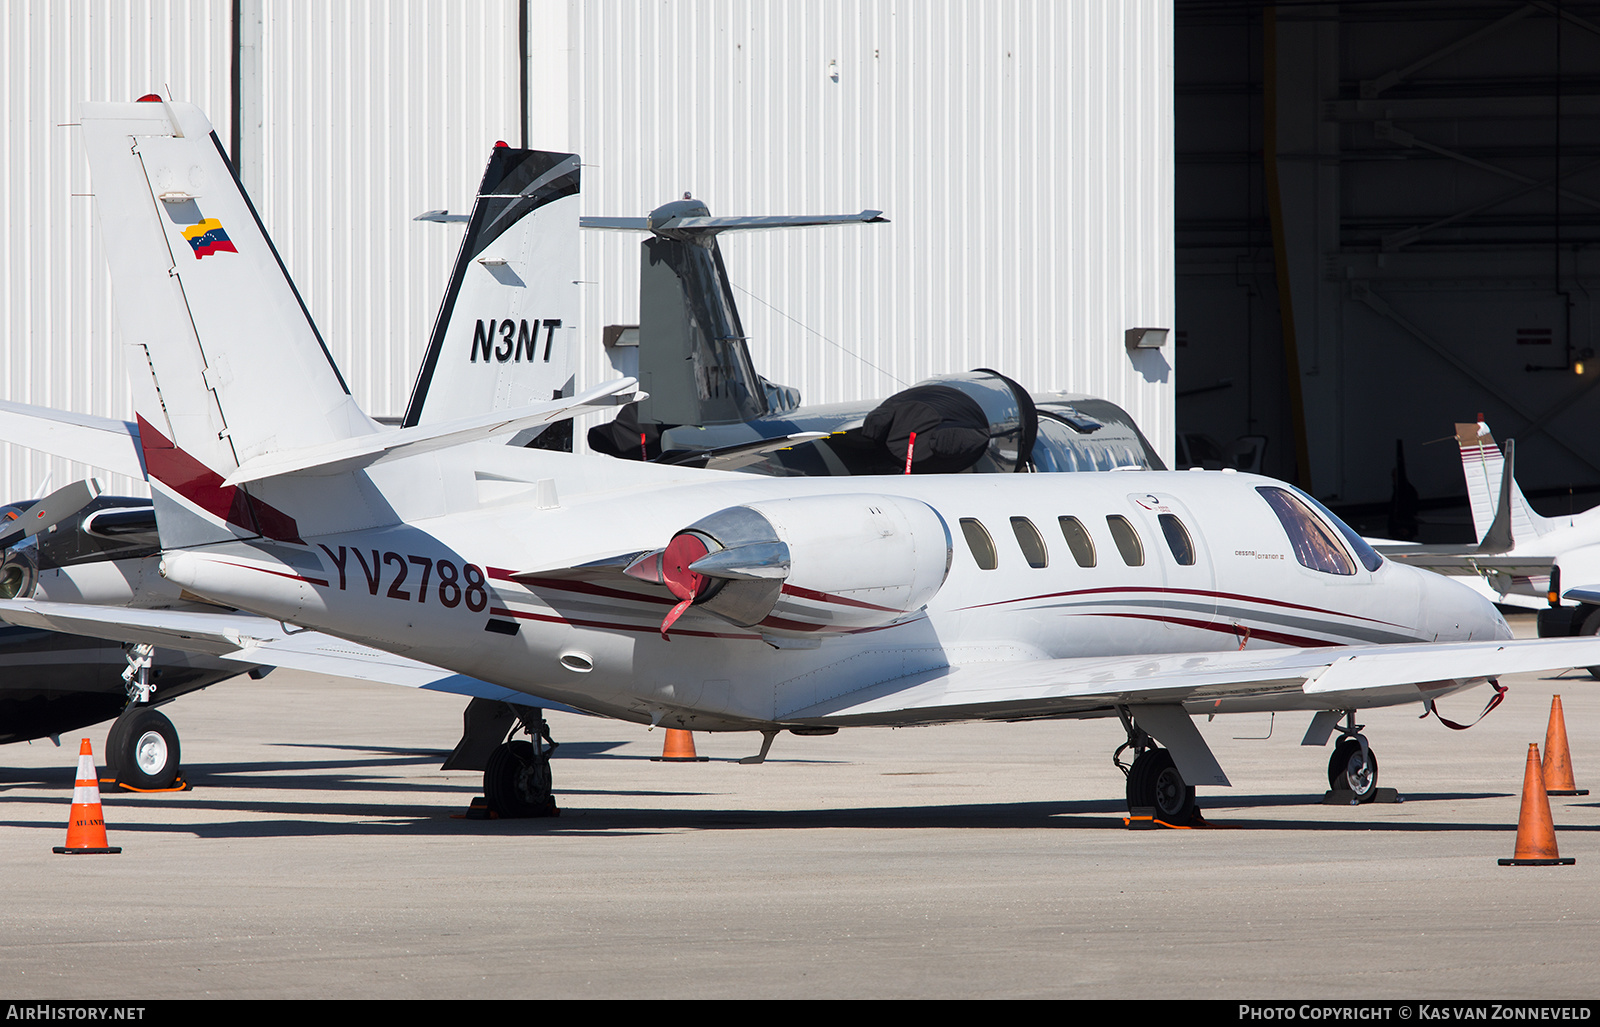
point(802, 566)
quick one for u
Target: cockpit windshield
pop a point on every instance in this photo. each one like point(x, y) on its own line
point(1313, 542)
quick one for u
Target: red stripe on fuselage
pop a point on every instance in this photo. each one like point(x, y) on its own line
point(203, 487)
point(828, 597)
point(1229, 629)
point(1187, 592)
point(500, 611)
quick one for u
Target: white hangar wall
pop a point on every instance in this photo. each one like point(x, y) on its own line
point(55, 299)
point(1022, 150)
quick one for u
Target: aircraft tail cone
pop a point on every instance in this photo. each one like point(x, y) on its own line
point(1536, 832)
point(1557, 760)
point(86, 825)
point(679, 748)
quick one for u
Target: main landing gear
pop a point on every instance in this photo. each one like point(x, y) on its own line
point(1155, 788)
point(142, 747)
point(142, 750)
point(516, 780)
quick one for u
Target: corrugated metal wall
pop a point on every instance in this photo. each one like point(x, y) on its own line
point(1022, 150)
point(55, 307)
point(374, 112)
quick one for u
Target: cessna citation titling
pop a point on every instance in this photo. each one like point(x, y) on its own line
point(718, 601)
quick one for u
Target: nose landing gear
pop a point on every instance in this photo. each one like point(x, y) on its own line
point(1353, 769)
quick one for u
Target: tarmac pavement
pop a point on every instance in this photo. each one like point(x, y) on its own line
point(321, 854)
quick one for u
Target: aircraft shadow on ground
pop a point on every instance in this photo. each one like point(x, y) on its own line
point(441, 818)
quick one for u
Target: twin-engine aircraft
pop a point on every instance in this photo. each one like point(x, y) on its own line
point(715, 601)
point(76, 546)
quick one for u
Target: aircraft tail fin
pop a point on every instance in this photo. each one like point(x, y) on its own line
point(693, 357)
point(506, 334)
point(1500, 512)
point(237, 369)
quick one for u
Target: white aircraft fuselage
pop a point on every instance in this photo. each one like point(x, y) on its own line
point(440, 589)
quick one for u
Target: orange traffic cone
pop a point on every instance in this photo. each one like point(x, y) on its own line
point(679, 748)
point(1536, 833)
point(1557, 761)
point(86, 825)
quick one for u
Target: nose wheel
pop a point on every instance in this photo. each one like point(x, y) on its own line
point(1353, 768)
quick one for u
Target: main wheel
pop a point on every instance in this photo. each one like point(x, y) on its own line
point(1347, 770)
point(143, 749)
point(1154, 781)
point(516, 781)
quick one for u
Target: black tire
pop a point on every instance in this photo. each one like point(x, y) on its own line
point(1154, 782)
point(143, 749)
point(119, 728)
point(1347, 772)
point(516, 782)
point(1591, 626)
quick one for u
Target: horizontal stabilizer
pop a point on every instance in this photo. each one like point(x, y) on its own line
point(50, 511)
point(255, 640)
point(365, 450)
point(102, 442)
point(714, 225)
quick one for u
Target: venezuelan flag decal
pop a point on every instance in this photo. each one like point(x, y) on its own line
point(207, 238)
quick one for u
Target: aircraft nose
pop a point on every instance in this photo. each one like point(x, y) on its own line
point(1452, 611)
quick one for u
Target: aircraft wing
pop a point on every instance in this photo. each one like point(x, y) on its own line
point(1467, 560)
point(363, 450)
point(249, 639)
point(730, 458)
point(101, 442)
point(1328, 678)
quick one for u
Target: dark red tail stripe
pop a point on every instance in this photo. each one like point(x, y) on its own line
point(203, 487)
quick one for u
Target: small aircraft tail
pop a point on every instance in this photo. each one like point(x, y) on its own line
point(1486, 470)
point(506, 334)
point(693, 357)
point(237, 369)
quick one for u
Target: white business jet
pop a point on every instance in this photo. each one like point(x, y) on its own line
point(717, 601)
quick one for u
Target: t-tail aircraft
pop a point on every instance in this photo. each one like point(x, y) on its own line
point(79, 547)
point(715, 601)
point(1521, 556)
point(707, 405)
point(1531, 558)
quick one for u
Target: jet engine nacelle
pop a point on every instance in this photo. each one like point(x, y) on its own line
point(802, 566)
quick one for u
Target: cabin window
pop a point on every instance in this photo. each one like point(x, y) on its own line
point(980, 543)
point(1028, 539)
point(1127, 540)
point(1313, 542)
point(1078, 541)
point(1177, 539)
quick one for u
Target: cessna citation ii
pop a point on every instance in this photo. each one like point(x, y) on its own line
point(716, 601)
point(82, 548)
